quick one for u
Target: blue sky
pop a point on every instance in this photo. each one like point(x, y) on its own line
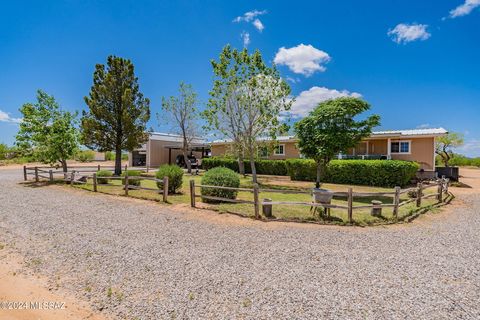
point(416, 62)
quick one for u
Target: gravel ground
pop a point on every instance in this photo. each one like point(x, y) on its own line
point(138, 260)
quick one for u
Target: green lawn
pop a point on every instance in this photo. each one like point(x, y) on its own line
point(290, 212)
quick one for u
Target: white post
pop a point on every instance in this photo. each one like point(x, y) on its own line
point(389, 149)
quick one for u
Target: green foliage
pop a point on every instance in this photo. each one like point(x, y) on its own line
point(332, 128)
point(301, 169)
point(47, 132)
point(220, 176)
point(124, 156)
point(174, 174)
point(270, 167)
point(132, 173)
point(118, 111)
point(458, 160)
point(379, 173)
point(103, 173)
point(110, 156)
point(445, 144)
point(4, 150)
point(246, 101)
point(85, 155)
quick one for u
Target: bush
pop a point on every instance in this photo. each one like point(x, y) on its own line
point(270, 167)
point(109, 156)
point(174, 174)
point(132, 173)
point(301, 169)
point(380, 173)
point(103, 173)
point(85, 155)
point(220, 176)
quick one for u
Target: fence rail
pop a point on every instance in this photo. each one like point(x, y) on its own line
point(440, 184)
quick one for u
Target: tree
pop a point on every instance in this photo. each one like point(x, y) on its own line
point(246, 101)
point(445, 144)
point(331, 128)
point(47, 132)
point(183, 111)
point(118, 113)
point(4, 150)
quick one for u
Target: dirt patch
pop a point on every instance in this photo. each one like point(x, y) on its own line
point(16, 286)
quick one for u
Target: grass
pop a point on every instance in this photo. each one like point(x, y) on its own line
point(284, 212)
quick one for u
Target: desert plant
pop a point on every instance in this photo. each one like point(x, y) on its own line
point(103, 173)
point(174, 174)
point(132, 173)
point(222, 177)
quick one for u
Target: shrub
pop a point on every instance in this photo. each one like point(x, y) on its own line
point(85, 155)
point(220, 176)
point(132, 173)
point(109, 156)
point(174, 174)
point(270, 167)
point(103, 173)
point(380, 173)
point(301, 169)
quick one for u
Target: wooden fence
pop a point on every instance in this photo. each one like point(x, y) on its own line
point(76, 175)
point(441, 185)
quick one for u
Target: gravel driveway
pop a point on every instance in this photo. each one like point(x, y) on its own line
point(140, 260)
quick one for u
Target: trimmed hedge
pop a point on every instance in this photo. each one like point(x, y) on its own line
point(220, 176)
point(379, 173)
point(132, 173)
point(103, 173)
point(174, 174)
point(269, 167)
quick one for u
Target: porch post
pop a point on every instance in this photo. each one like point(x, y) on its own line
point(389, 149)
point(169, 155)
point(368, 152)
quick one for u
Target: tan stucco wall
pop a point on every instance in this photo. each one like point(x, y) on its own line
point(291, 151)
point(422, 151)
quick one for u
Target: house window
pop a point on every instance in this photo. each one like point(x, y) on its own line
point(279, 150)
point(400, 147)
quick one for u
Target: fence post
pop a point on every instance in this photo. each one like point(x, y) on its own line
point(165, 189)
point(94, 182)
point(25, 173)
point(36, 174)
point(72, 178)
point(419, 194)
point(350, 205)
point(440, 191)
point(98, 168)
point(396, 202)
point(192, 193)
point(256, 204)
point(50, 173)
point(126, 182)
point(126, 167)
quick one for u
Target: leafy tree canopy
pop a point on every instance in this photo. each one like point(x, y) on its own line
point(444, 146)
point(332, 128)
point(47, 131)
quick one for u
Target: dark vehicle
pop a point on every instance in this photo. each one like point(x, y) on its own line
point(180, 161)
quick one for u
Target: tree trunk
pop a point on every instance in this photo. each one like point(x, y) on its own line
point(64, 165)
point(319, 173)
point(241, 166)
point(118, 161)
point(254, 170)
point(187, 160)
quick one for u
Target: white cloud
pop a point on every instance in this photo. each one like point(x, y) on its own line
point(404, 33)
point(464, 9)
point(259, 25)
point(5, 117)
point(292, 80)
point(250, 15)
point(303, 59)
point(246, 38)
point(470, 148)
point(309, 99)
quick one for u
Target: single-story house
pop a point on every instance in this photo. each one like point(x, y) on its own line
point(163, 148)
point(413, 145)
